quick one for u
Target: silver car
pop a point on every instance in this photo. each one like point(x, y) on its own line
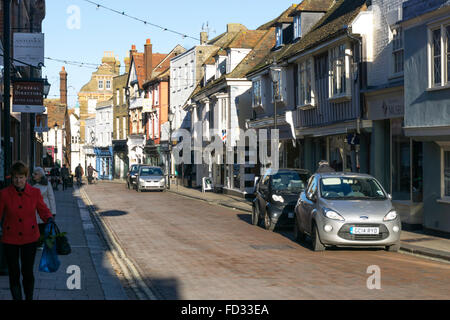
point(346, 209)
point(150, 178)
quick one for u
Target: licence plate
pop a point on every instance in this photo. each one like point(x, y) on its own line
point(364, 230)
point(290, 214)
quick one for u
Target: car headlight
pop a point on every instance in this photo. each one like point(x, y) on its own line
point(333, 215)
point(162, 181)
point(141, 180)
point(277, 198)
point(390, 216)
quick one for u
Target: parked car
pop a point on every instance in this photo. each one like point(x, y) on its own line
point(131, 176)
point(276, 194)
point(346, 209)
point(150, 178)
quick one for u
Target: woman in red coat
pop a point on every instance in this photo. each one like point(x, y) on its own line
point(18, 205)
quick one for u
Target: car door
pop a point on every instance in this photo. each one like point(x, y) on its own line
point(308, 205)
point(263, 194)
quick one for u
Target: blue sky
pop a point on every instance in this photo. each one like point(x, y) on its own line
point(101, 30)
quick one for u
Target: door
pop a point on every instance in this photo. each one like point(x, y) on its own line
point(308, 205)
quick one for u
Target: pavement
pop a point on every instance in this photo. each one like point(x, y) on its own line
point(90, 255)
point(417, 242)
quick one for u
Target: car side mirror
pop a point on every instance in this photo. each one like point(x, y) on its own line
point(314, 197)
point(389, 196)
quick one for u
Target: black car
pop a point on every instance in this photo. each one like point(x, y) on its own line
point(131, 176)
point(276, 195)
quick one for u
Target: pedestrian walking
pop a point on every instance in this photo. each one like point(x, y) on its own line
point(18, 205)
point(38, 180)
point(324, 166)
point(65, 176)
point(91, 171)
point(54, 173)
point(79, 174)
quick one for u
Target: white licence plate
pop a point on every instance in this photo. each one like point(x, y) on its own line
point(290, 214)
point(364, 230)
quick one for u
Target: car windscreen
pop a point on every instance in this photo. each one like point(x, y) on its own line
point(289, 182)
point(151, 172)
point(351, 188)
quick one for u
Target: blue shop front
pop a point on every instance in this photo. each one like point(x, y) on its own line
point(104, 162)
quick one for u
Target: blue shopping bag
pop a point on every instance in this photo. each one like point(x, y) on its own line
point(49, 259)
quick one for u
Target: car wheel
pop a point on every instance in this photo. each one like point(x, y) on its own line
point(268, 223)
point(393, 248)
point(299, 236)
point(316, 244)
point(255, 215)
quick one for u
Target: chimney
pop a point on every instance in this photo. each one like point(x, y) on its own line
point(127, 64)
point(63, 86)
point(148, 60)
point(235, 27)
point(203, 37)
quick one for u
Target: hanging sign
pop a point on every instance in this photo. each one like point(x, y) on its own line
point(28, 97)
point(29, 49)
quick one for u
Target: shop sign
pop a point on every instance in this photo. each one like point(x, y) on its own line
point(28, 97)
point(386, 106)
point(29, 49)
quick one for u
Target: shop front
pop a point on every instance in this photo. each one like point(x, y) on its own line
point(104, 163)
point(397, 159)
point(344, 145)
point(120, 157)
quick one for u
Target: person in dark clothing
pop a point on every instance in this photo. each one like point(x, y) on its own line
point(90, 171)
point(79, 174)
point(18, 205)
point(324, 166)
point(65, 176)
point(54, 173)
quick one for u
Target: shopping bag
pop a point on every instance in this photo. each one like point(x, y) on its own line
point(49, 259)
point(62, 243)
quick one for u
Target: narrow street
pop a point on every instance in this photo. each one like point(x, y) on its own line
point(188, 249)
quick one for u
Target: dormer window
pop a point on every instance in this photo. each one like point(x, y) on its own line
point(279, 35)
point(297, 27)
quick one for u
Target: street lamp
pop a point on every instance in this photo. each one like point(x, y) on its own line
point(275, 75)
point(171, 116)
point(46, 87)
point(56, 141)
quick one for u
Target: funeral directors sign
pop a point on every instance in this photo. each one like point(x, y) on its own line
point(27, 97)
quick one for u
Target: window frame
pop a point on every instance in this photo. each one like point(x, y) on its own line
point(297, 26)
point(396, 36)
point(444, 197)
point(107, 84)
point(279, 36)
point(444, 55)
point(344, 53)
point(100, 84)
point(256, 100)
point(302, 75)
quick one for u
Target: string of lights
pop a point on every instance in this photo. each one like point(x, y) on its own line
point(122, 13)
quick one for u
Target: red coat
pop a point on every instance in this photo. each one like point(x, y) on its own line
point(20, 225)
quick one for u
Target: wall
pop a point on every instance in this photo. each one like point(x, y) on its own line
point(436, 214)
point(422, 108)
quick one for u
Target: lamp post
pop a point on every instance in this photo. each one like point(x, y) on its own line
point(55, 127)
point(275, 74)
point(171, 115)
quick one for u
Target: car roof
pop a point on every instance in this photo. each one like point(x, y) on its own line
point(344, 174)
point(287, 170)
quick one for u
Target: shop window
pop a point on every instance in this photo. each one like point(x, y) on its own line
point(447, 173)
point(406, 165)
point(401, 162)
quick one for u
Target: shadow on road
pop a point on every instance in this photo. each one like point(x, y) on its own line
point(112, 213)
